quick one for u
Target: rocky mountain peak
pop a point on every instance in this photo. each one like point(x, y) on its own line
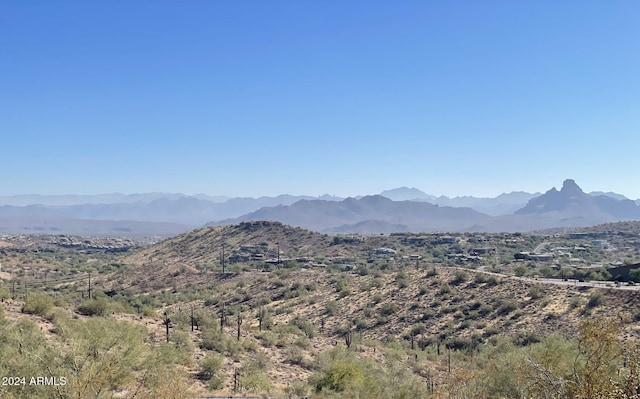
point(569, 186)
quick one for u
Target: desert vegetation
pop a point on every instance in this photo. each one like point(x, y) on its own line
point(166, 321)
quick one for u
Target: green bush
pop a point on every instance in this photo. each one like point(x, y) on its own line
point(507, 306)
point(339, 375)
point(215, 382)
point(595, 300)
point(304, 325)
point(4, 293)
point(94, 307)
point(211, 365)
point(536, 292)
point(388, 309)
point(38, 304)
point(212, 339)
point(459, 278)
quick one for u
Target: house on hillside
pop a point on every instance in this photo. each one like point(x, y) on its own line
point(385, 251)
point(535, 257)
point(483, 251)
point(448, 240)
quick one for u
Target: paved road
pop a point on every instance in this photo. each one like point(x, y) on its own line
point(570, 282)
point(539, 247)
point(576, 283)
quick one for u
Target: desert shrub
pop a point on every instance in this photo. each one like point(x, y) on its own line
point(304, 325)
point(302, 342)
point(295, 355)
point(376, 282)
point(595, 300)
point(93, 307)
point(445, 290)
point(525, 339)
point(253, 377)
point(342, 287)
point(210, 365)
point(464, 325)
point(575, 302)
point(480, 278)
point(148, 312)
point(401, 279)
point(428, 314)
point(103, 354)
point(4, 293)
point(268, 339)
point(635, 275)
point(520, 270)
point(339, 375)
point(331, 308)
point(489, 331)
point(216, 382)
point(212, 339)
point(297, 390)
point(459, 278)
point(492, 280)
point(181, 340)
point(387, 309)
point(458, 343)
point(38, 304)
point(507, 306)
point(536, 292)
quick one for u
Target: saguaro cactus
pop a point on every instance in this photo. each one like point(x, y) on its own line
point(167, 322)
point(222, 316)
point(348, 338)
point(193, 319)
point(261, 313)
point(239, 321)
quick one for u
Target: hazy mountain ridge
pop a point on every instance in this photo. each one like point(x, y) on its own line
point(503, 204)
point(396, 210)
point(326, 216)
point(571, 201)
point(569, 207)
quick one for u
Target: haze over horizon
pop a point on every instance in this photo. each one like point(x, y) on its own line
point(261, 99)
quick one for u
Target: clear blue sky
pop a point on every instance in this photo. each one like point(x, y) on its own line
point(250, 98)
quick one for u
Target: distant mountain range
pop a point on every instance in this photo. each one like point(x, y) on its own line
point(503, 204)
point(369, 214)
point(396, 210)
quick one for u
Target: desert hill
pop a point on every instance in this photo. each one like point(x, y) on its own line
point(279, 324)
point(461, 302)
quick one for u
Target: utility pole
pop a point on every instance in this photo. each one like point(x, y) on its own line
point(222, 259)
point(89, 285)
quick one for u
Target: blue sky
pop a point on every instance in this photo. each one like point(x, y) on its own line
point(250, 98)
